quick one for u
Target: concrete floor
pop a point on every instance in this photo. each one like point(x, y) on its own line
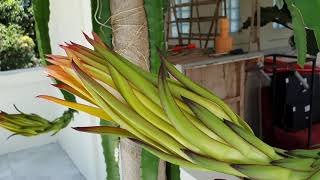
point(48, 162)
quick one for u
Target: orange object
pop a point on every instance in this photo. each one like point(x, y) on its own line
point(223, 42)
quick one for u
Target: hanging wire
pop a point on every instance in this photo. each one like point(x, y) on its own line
point(99, 10)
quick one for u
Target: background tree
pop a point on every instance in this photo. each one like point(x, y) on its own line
point(17, 35)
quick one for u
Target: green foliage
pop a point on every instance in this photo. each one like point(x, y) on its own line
point(41, 15)
point(149, 166)
point(305, 15)
point(101, 13)
point(16, 49)
point(155, 11)
point(300, 35)
point(173, 172)
point(109, 144)
point(14, 12)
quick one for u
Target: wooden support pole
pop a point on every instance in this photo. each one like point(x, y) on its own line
point(198, 23)
point(213, 21)
point(190, 23)
point(173, 4)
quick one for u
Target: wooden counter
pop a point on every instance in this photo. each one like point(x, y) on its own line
point(225, 75)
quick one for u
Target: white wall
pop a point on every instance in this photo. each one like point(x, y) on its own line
point(190, 174)
point(270, 38)
point(20, 87)
point(67, 21)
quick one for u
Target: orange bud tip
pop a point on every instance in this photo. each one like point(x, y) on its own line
point(76, 128)
point(49, 56)
point(57, 85)
point(68, 44)
point(90, 40)
point(94, 34)
point(63, 47)
point(41, 96)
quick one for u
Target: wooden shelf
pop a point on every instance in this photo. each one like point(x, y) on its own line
point(200, 19)
point(197, 34)
point(199, 3)
point(192, 38)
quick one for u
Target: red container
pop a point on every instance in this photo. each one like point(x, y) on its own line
point(284, 66)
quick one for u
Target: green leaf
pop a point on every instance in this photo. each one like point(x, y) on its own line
point(101, 14)
point(41, 13)
point(109, 143)
point(300, 35)
point(155, 11)
point(155, 17)
point(317, 35)
point(149, 166)
point(173, 172)
point(310, 13)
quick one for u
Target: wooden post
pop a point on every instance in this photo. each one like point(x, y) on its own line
point(130, 39)
point(130, 31)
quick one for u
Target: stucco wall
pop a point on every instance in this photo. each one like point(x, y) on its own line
point(20, 87)
point(67, 21)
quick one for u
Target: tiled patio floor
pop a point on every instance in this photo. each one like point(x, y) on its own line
point(48, 162)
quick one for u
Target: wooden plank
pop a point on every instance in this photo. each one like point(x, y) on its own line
point(233, 100)
point(200, 19)
point(242, 81)
point(190, 24)
point(198, 34)
point(198, 23)
point(192, 38)
point(221, 79)
point(199, 3)
point(214, 21)
point(202, 59)
point(175, 17)
point(226, 81)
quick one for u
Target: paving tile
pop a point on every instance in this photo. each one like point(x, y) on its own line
point(48, 162)
point(5, 170)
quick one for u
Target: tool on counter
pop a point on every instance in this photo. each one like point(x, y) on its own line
point(180, 48)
